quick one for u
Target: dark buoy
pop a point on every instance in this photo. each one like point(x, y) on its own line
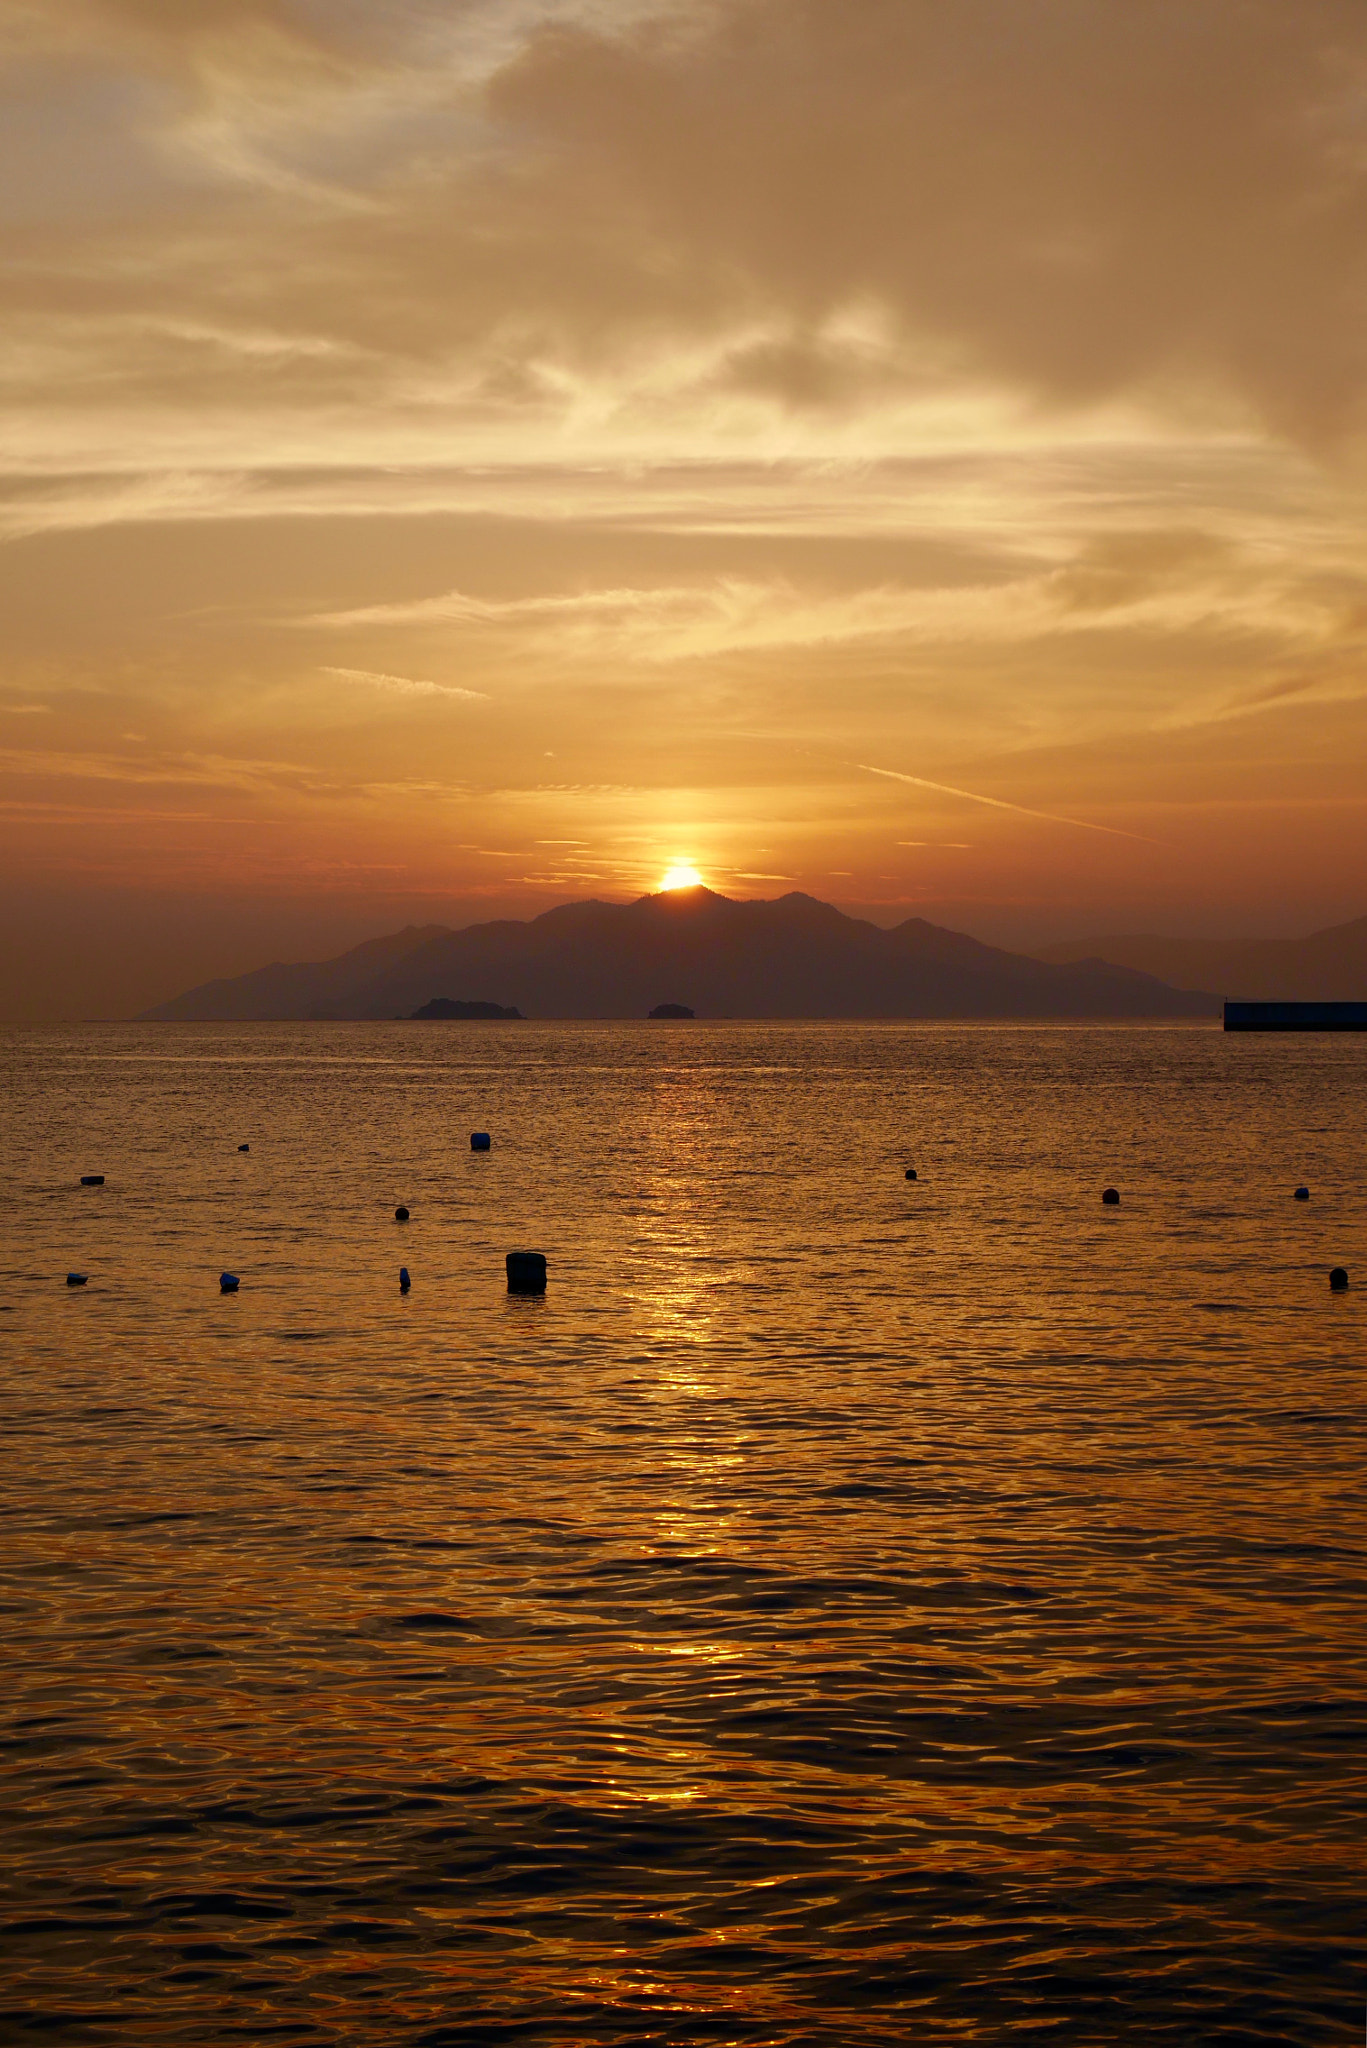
point(244, 1148)
point(526, 1272)
point(1111, 1197)
point(1338, 1279)
point(401, 1215)
point(228, 1283)
point(480, 1141)
point(76, 1279)
point(1301, 1195)
point(404, 1282)
point(92, 1180)
point(911, 1173)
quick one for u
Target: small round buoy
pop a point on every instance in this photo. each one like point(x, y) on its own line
point(244, 1148)
point(1111, 1197)
point(401, 1214)
point(228, 1283)
point(526, 1272)
point(911, 1173)
point(480, 1141)
point(1338, 1279)
point(404, 1282)
point(92, 1180)
point(76, 1279)
point(1301, 1195)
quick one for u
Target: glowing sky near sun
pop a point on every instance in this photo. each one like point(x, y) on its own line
point(459, 454)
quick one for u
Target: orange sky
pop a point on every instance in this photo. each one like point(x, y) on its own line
point(461, 456)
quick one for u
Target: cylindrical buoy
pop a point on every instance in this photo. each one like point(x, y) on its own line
point(401, 1214)
point(1301, 1195)
point(404, 1282)
point(228, 1283)
point(1338, 1279)
point(1111, 1197)
point(911, 1173)
point(76, 1279)
point(526, 1272)
point(480, 1141)
point(244, 1148)
point(92, 1180)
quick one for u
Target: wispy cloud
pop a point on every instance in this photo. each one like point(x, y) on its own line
point(683, 622)
point(405, 686)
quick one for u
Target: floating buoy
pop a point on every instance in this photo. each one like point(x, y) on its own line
point(76, 1279)
point(92, 1180)
point(526, 1272)
point(244, 1148)
point(1301, 1195)
point(480, 1141)
point(1338, 1279)
point(401, 1215)
point(228, 1283)
point(1111, 1197)
point(911, 1173)
point(404, 1282)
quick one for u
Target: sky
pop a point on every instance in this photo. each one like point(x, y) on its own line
point(459, 456)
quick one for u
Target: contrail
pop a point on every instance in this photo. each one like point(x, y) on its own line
point(999, 804)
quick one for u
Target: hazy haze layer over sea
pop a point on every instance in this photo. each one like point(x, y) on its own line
point(841, 1611)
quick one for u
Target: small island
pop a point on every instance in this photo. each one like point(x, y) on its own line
point(664, 1011)
point(443, 1009)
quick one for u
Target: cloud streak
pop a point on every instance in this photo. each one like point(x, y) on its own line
point(406, 686)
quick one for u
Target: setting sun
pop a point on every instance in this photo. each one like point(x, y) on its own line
point(680, 878)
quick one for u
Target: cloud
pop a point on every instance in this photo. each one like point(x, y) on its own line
point(669, 624)
point(1077, 197)
point(687, 219)
point(406, 686)
point(1160, 582)
point(661, 624)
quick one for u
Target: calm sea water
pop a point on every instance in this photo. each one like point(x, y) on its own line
point(841, 1611)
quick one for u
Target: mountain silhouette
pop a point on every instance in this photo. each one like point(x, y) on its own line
point(789, 957)
point(1327, 966)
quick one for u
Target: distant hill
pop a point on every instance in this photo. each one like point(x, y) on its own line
point(306, 990)
point(790, 957)
point(1328, 966)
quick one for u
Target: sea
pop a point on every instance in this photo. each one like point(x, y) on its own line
point(841, 1610)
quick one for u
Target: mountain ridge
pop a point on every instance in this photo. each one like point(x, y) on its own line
point(787, 956)
point(1328, 965)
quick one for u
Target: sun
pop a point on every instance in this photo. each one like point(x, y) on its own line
point(681, 877)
